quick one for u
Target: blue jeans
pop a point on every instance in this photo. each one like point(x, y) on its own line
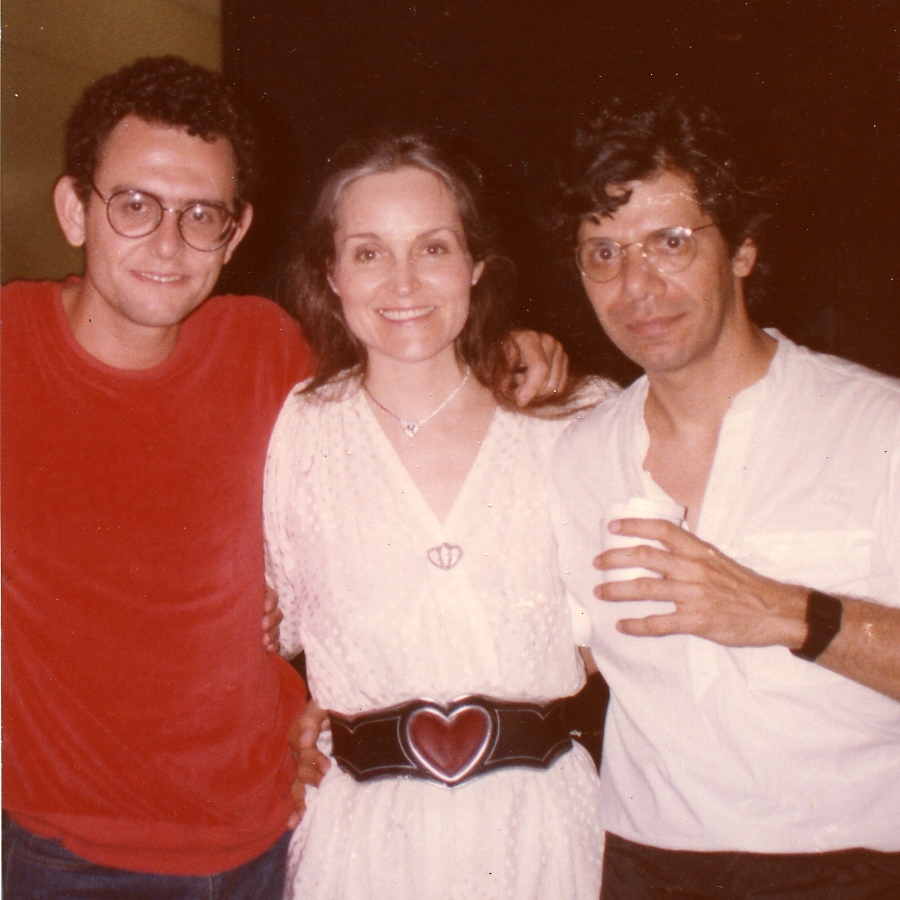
point(36, 868)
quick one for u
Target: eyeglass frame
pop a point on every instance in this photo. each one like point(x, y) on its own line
point(227, 234)
point(684, 229)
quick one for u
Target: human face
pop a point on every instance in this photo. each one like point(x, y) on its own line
point(402, 268)
point(668, 323)
point(155, 281)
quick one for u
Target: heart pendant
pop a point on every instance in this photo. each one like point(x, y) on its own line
point(449, 746)
point(445, 556)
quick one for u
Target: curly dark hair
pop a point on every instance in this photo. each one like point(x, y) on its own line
point(165, 90)
point(305, 289)
point(633, 143)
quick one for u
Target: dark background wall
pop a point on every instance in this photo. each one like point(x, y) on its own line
point(813, 87)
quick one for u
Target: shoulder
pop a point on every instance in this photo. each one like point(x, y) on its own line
point(255, 328)
point(599, 423)
point(31, 312)
point(17, 293)
point(308, 417)
point(253, 314)
point(593, 391)
point(836, 387)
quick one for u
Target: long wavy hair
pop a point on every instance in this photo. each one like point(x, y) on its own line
point(305, 290)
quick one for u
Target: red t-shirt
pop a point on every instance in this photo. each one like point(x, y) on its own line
point(144, 724)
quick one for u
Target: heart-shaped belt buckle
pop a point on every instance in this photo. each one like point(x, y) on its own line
point(448, 745)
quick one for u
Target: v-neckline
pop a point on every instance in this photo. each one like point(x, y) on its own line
point(389, 452)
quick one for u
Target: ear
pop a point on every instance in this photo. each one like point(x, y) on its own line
point(243, 223)
point(744, 259)
point(332, 283)
point(477, 272)
point(70, 210)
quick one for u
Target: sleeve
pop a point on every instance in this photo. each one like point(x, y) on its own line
point(596, 389)
point(888, 520)
point(299, 360)
point(563, 534)
point(283, 467)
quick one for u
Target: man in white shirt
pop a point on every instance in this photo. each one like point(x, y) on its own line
point(753, 736)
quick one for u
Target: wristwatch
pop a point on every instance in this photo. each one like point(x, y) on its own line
point(823, 621)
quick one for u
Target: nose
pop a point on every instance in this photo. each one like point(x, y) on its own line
point(166, 238)
point(639, 277)
point(405, 277)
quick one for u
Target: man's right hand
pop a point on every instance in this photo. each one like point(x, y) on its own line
point(311, 763)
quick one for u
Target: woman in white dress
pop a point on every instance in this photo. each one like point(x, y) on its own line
point(409, 539)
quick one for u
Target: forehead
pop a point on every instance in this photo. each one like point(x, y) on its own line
point(405, 197)
point(166, 160)
point(668, 198)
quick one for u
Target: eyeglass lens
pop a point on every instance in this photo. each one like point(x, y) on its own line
point(203, 226)
point(668, 250)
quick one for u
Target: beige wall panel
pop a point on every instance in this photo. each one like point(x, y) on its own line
point(103, 35)
point(37, 96)
point(52, 49)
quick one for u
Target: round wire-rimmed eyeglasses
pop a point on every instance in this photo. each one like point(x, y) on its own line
point(668, 250)
point(203, 226)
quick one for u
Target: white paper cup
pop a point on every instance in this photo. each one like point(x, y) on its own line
point(636, 508)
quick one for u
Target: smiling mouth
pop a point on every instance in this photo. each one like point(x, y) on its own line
point(652, 327)
point(159, 277)
point(403, 315)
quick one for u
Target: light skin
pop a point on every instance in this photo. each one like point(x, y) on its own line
point(135, 294)
point(404, 274)
point(120, 312)
point(128, 308)
point(691, 333)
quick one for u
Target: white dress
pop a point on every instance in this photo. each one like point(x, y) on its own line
point(348, 535)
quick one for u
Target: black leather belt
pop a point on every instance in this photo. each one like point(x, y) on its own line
point(450, 744)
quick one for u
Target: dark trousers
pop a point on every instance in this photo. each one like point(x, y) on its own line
point(36, 868)
point(636, 872)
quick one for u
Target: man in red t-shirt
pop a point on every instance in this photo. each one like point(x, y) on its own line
point(144, 722)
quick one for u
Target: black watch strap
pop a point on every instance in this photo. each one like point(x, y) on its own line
point(823, 621)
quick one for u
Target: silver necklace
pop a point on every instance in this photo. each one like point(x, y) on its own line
point(412, 428)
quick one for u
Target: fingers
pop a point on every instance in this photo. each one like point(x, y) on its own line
point(298, 796)
point(651, 626)
point(271, 621)
point(305, 731)
point(532, 366)
point(539, 365)
point(312, 765)
point(558, 376)
point(673, 537)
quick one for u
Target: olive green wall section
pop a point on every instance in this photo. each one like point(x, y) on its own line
point(51, 50)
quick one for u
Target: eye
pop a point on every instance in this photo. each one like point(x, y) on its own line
point(134, 203)
point(671, 241)
point(601, 252)
point(366, 254)
point(203, 214)
point(436, 248)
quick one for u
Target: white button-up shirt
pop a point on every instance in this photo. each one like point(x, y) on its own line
point(716, 748)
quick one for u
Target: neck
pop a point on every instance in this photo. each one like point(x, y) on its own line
point(699, 397)
point(112, 340)
point(412, 391)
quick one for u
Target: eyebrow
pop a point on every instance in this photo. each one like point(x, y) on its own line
point(371, 235)
point(118, 189)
